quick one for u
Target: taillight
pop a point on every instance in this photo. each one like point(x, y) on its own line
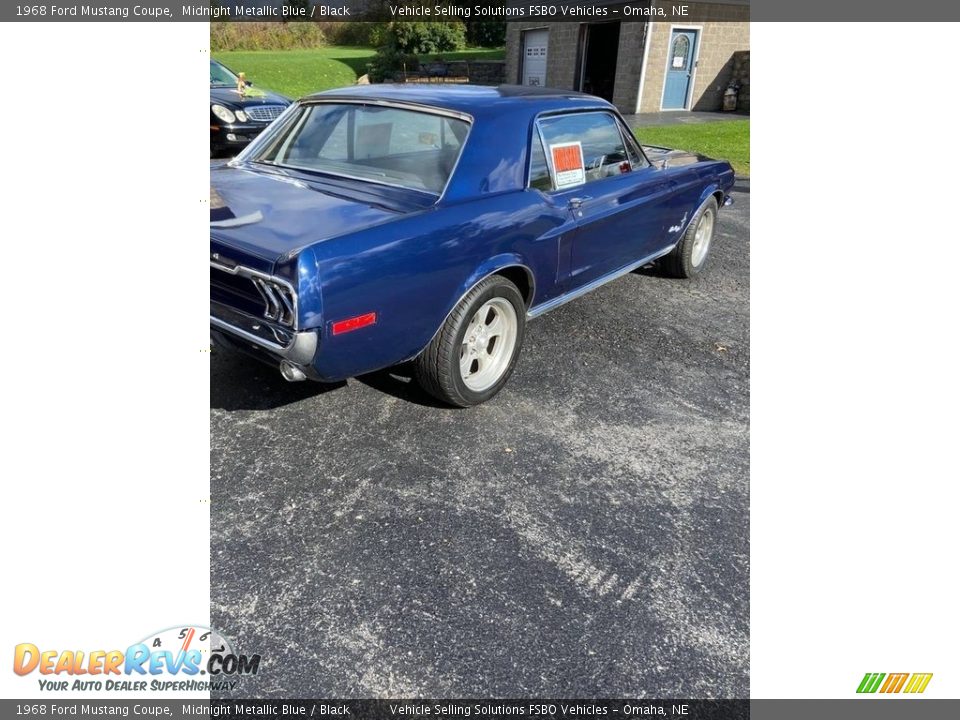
point(354, 323)
point(279, 300)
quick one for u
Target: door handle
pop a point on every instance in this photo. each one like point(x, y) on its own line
point(577, 202)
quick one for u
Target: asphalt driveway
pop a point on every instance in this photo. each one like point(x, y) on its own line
point(584, 534)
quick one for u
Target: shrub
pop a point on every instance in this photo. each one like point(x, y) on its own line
point(426, 38)
point(486, 33)
point(373, 34)
point(225, 35)
point(402, 42)
point(388, 62)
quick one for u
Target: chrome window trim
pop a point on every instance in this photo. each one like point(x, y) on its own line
point(260, 139)
point(274, 129)
point(630, 139)
point(398, 104)
point(535, 134)
point(536, 129)
point(617, 120)
point(252, 275)
point(546, 158)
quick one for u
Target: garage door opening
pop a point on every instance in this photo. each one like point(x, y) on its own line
point(533, 69)
point(599, 43)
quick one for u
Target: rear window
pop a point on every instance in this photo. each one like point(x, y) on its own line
point(395, 146)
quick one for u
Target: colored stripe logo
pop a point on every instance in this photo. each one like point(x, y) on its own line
point(913, 683)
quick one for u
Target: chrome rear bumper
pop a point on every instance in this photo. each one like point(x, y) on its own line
point(298, 348)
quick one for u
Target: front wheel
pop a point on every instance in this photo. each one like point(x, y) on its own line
point(689, 258)
point(473, 355)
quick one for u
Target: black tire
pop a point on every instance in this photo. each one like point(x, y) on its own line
point(437, 368)
point(680, 262)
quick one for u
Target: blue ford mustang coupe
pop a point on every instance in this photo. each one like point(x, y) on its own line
point(379, 224)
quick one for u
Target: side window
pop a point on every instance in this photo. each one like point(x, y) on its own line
point(583, 148)
point(637, 158)
point(539, 172)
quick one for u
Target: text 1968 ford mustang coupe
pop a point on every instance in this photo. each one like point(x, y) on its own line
point(379, 224)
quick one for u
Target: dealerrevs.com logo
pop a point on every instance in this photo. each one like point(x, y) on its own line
point(183, 659)
point(911, 683)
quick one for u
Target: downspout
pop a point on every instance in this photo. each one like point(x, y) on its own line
point(646, 54)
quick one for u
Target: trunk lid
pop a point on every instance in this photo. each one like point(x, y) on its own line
point(262, 216)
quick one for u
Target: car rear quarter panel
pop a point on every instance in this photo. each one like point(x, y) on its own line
point(413, 271)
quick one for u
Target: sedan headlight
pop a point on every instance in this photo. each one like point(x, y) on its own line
point(241, 116)
point(223, 113)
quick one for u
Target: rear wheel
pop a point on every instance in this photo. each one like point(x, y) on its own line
point(473, 355)
point(690, 256)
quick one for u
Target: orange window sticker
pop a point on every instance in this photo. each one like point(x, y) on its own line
point(567, 164)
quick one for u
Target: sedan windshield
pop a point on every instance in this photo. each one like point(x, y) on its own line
point(219, 75)
point(393, 146)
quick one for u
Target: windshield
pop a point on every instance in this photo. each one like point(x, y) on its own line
point(219, 75)
point(408, 148)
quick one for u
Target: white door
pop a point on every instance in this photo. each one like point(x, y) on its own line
point(534, 58)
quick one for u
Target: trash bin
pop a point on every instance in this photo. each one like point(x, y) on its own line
point(730, 99)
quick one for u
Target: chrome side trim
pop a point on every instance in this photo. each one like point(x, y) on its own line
point(603, 280)
point(257, 278)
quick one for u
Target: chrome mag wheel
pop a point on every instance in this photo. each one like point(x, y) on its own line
point(488, 344)
point(702, 237)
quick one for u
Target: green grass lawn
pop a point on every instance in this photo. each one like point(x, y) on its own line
point(725, 140)
point(296, 73)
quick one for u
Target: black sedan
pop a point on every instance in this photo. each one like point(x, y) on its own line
point(238, 111)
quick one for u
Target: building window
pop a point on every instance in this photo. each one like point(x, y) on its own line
point(680, 52)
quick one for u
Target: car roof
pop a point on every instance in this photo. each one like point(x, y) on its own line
point(473, 100)
point(496, 154)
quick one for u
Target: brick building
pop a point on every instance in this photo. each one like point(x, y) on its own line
point(668, 63)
